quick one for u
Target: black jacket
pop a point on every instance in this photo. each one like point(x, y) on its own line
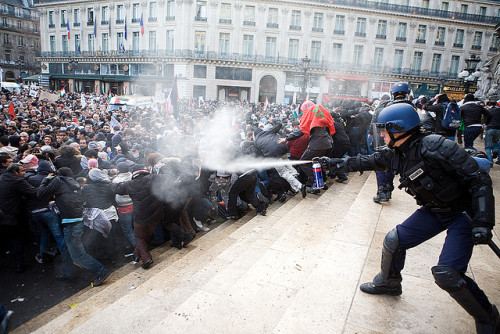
point(438, 109)
point(97, 194)
point(267, 143)
point(341, 140)
point(13, 189)
point(471, 113)
point(439, 174)
point(148, 208)
point(68, 195)
point(36, 203)
point(73, 163)
point(495, 119)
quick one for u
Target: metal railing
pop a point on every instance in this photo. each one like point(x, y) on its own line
point(119, 56)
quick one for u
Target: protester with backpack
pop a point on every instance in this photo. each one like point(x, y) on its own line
point(472, 112)
point(438, 106)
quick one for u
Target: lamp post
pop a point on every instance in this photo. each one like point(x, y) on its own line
point(469, 75)
point(304, 77)
point(19, 63)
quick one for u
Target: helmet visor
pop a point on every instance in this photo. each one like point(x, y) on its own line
point(378, 142)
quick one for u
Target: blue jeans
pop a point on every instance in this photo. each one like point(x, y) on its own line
point(48, 222)
point(470, 134)
point(73, 237)
point(491, 139)
point(127, 224)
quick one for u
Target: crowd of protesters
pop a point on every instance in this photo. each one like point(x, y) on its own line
point(96, 182)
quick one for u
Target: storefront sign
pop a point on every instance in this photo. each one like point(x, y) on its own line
point(100, 53)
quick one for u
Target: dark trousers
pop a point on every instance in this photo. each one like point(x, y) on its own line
point(307, 168)
point(244, 187)
point(424, 224)
point(142, 234)
point(470, 134)
point(385, 179)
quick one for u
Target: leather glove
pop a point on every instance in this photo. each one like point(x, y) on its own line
point(335, 165)
point(481, 235)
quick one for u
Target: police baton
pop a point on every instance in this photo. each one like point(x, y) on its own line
point(492, 245)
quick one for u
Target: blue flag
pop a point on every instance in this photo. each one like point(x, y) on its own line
point(125, 27)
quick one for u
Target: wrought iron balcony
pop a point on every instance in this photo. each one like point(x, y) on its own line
point(458, 45)
point(421, 41)
point(314, 29)
point(249, 23)
point(136, 20)
point(225, 21)
point(119, 21)
point(272, 25)
point(400, 39)
point(294, 27)
point(169, 18)
point(360, 34)
point(381, 36)
point(476, 47)
point(76, 24)
point(339, 32)
point(52, 25)
point(152, 19)
point(199, 18)
point(439, 43)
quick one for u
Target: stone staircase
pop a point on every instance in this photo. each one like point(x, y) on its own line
point(295, 270)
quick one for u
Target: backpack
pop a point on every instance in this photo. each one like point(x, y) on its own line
point(451, 116)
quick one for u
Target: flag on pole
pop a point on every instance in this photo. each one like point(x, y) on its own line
point(125, 27)
point(67, 28)
point(95, 26)
point(142, 26)
point(172, 100)
point(11, 109)
point(114, 122)
point(62, 91)
point(266, 104)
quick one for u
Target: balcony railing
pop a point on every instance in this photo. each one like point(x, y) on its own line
point(272, 25)
point(458, 45)
point(421, 41)
point(52, 25)
point(249, 23)
point(439, 43)
point(169, 18)
point(119, 56)
point(152, 19)
point(119, 21)
point(339, 32)
point(476, 47)
point(314, 29)
point(136, 20)
point(199, 18)
point(294, 27)
point(76, 24)
point(493, 48)
point(90, 23)
point(63, 24)
point(400, 39)
point(360, 34)
point(381, 36)
point(104, 22)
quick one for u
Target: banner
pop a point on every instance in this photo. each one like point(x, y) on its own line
point(49, 96)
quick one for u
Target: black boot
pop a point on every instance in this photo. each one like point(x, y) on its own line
point(380, 286)
point(381, 195)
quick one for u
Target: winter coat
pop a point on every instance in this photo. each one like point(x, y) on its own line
point(73, 163)
point(13, 189)
point(68, 195)
point(438, 110)
point(35, 203)
point(341, 140)
point(495, 119)
point(267, 143)
point(123, 200)
point(471, 113)
point(148, 208)
point(97, 192)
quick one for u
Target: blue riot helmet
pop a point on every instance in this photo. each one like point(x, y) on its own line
point(396, 118)
point(400, 89)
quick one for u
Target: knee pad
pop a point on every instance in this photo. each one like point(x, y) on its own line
point(391, 241)
point(448, 278)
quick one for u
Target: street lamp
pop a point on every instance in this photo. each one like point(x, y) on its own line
point(304, 77)
point(469, 75)
point(19, 63)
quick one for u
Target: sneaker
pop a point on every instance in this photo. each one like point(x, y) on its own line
point(5, 322)
point(101, 278)
point(39, 259)
point(313, 190)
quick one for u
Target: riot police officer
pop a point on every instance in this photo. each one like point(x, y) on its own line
point(446, 182)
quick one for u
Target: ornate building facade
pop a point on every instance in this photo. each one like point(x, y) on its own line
point(253, 50)
point(19, 39)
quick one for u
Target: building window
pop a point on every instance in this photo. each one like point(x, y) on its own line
point(445, 6)
point(436, 63)
point(318, 22)
point(249, 13)
point(455, 62)
point(171, 9)
point(224, 43)
point(440, 36)
point(478, 38)
point(316, 51)
point(248, 45)
point(152, 11)
point(19, 25)
point(358, 55)
point(199, 41)
point(90, 43)
point(339, 24)
point(51, 19)
point(199, 91)
point(417, 61)
point(398, 59)
point(8, 55)
point(170, 40)
point(494, 43)
point(52, 40)
point(120, 45)
point(225, 13)
point(5, 22)
point(270, 47)
point(104, 15)
point(272, 18)
point(401, 36)
point(295, 24)
point(382, 29)
point(105, 41)
point(63, 18)
point(459, 38)
point(90, 16)
point(361, 27)
point(425, 4)
point(200, 71)
point(77, 43)
point(201, 10)
point(152, 40)
point(76, 17)
point(422, 29)
point(337, 53)
point(464, 9)
point(135, 41)
point(119, 14)
point(136, 16)
point(293, 49)
point(378, 57)
point(482, 11)
point(64, 43)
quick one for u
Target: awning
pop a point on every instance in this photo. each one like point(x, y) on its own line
point(345, 77)
point(33, 78)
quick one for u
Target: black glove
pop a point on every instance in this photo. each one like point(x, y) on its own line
point(481, 235)
point(335, 165)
